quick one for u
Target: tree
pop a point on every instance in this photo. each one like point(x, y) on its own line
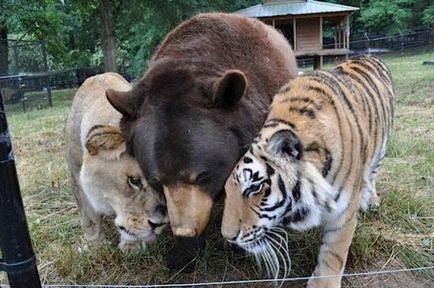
point(144, 24)
point(108, 39)
point(4, 55)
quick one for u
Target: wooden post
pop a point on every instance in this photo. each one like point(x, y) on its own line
point(317, 62)
point(273, 23)
point(320, 33)
point(347, 31)
point(294, 22)
point(16, 58)
point(47, 79)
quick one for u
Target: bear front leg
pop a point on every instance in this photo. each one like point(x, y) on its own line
point(184, 252)
point(336, 240)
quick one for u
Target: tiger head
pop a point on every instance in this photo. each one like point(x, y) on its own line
point(273, 186)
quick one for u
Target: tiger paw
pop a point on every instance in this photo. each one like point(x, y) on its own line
point(324, 282)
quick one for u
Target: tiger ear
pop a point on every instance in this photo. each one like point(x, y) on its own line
point(286, 143)
point(127, 103)
point(229, 88)
point(106, 141)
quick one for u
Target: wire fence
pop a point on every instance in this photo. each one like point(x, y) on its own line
point(419, 37)
point(277, 281)
point(27, 71)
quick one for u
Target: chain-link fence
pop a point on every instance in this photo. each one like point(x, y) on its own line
point(372, 43)
point(365, 43)
point(28, 81)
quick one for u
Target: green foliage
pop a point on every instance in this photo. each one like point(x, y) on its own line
point(395, 17)
point(428, 16)
point(143, 26)
point(72, 28)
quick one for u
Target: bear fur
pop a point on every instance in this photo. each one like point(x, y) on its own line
point(200, 103)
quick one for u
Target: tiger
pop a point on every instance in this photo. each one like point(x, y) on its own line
point(313, 164)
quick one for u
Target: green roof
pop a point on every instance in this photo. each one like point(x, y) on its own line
point(297, 7)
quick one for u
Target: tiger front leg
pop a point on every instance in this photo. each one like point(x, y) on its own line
point(336, 240)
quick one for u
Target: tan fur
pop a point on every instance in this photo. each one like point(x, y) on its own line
point(100, 168)
point(331, 129)
point(189, 209)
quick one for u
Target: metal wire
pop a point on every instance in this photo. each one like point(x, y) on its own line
point(222, 283)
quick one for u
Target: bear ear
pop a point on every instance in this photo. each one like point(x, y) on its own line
point(229, 88)
point(126, 102)
point(105, 140)
point(285, 143)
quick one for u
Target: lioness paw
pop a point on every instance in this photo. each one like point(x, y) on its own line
point(131, 247)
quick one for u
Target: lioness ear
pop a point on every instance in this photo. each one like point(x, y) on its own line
point(286, 143)
point(105, 140)
point(126, 102)
point(229, 88)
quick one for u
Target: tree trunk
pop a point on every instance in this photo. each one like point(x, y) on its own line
point(4, 58)
point(108, 39)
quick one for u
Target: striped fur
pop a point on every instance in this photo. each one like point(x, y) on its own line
point(314, 163)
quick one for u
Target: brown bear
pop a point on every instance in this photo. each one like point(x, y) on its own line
point(198, 106)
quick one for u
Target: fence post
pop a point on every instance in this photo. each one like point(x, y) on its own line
point(47, 79)
point(19, 260)
point(17, 66)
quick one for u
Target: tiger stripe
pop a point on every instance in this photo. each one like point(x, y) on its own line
point(320, 150)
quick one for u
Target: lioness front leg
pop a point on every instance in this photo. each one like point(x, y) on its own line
point(333, 253)
point(90, 220)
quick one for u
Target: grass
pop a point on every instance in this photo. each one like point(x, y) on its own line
point(400, 233)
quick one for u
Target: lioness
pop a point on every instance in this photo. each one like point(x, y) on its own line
point(106, 180)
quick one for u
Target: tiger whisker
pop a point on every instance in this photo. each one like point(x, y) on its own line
point(285, 247)
point(277, 247)
point(263, 256)
point(274, 260)
point(285, 267)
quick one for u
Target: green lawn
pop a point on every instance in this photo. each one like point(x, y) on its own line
point(398, 234)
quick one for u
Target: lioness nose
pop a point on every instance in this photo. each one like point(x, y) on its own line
point(161, 209)
point(155, 225)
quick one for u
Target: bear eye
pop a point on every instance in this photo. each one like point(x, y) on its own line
point(254, 189)
point(203, 178)
point(135, 183)
point(156, 184)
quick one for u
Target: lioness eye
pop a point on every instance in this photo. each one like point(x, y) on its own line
point(135, 182)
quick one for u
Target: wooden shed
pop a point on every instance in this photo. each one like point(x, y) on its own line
point(315, 29)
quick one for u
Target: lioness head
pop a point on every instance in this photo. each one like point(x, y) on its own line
point(114, 184)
